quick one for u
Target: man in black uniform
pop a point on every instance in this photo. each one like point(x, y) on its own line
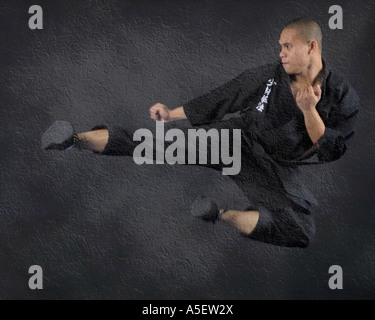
point(291, 113)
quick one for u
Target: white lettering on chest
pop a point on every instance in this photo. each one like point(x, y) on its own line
point(264, 100)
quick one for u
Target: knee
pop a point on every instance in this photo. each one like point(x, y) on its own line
point(303, 240)
point(303, 234)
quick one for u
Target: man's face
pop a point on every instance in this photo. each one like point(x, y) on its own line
point(294, 52)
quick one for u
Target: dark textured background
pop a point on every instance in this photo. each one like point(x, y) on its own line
point(103, 227)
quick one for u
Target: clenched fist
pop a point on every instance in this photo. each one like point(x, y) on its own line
point(160, 112)
point(307, 98)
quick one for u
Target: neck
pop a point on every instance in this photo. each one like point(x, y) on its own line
point(312, 75)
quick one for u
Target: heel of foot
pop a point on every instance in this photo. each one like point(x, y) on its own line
point(59, 136)
point(205, 209)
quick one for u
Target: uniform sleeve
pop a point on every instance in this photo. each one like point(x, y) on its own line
point(339, 127)
point(231, 97)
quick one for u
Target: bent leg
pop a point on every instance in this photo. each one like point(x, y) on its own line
point(291, 226)
point(274, 216)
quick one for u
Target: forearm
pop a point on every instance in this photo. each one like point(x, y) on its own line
point(177, 114)
point(314, 125)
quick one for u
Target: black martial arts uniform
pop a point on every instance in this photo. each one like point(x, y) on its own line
point(275, 144)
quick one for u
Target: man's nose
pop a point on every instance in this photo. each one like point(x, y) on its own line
point(282, 54)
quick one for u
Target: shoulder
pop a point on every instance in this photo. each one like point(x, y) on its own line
point(262, 73)
point(342, 92)
point(269, 68)
point(338, 86)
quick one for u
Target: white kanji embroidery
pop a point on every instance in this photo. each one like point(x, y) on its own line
point(264, 100)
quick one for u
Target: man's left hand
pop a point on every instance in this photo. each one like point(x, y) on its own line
point(308, 98)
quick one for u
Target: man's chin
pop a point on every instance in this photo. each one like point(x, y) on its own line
point(287, 69)
point(290, 73)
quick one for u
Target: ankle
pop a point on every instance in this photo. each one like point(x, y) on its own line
point(79, 141)
point(222, 212)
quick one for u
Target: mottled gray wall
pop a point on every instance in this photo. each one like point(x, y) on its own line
point(103, 227)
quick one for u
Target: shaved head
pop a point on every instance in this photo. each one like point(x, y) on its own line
point(307, 30)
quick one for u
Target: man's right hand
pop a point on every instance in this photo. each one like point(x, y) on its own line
point(160, 112)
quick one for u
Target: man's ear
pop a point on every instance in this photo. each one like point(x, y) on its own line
point(313, 46)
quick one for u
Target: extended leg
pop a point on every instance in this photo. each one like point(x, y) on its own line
point(61, 136)
point(93, 140)
point(243, 221)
